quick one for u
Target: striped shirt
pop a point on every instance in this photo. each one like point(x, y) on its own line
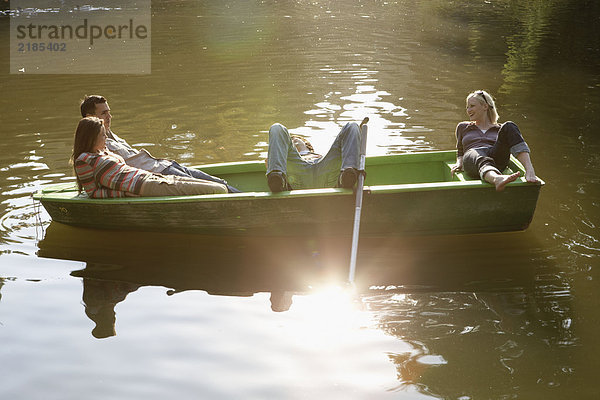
point(105, 174)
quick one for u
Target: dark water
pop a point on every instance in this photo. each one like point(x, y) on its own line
point(89, 314)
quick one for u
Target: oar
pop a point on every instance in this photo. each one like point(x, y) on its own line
point(359, 198)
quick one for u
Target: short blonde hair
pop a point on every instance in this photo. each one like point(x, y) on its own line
point(485, 98)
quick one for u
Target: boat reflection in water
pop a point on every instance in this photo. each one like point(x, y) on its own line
point(438, 297)
point(118, 263)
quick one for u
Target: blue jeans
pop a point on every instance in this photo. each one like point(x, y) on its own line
point(479, 161)
point(179, 170)
point(301, 174)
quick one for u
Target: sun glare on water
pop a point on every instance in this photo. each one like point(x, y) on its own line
point(335, 341)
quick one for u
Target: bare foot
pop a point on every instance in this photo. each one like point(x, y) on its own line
point(502, 180)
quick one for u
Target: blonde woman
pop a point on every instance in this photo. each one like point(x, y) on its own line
point(484, 146)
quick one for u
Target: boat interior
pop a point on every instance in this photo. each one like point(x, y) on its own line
point(399, 169)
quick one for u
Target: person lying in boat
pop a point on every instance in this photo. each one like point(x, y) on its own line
point(304, 148)
point(97, 106)
point(293, 165)
point(103, 174)
point(484, 146)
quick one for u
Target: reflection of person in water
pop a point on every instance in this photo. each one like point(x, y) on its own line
point(100, 298)
point(281, 301)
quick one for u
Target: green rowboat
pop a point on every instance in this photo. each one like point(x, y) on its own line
point(404, 194)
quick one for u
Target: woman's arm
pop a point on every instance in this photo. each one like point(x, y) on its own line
point(116, 177)
point(457, 167)
point(459, 150)
point(525, 159)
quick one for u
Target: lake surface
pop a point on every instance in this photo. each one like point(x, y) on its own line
point(96, 315)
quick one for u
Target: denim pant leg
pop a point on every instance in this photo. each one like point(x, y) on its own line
point(279, 147)
point(477, 163)
point(179, 170)
point(509, 140)
point(283, 156)
point(344, 153)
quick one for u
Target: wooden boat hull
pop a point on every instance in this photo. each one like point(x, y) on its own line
point(404, 194)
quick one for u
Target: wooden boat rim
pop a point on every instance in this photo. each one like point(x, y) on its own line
point(69, 195)
point(67, 192)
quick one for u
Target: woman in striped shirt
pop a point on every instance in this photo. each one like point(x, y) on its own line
point(104, 174)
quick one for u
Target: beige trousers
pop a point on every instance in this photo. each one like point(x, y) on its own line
point(172, 185)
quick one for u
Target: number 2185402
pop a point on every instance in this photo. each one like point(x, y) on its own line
point(29, 46)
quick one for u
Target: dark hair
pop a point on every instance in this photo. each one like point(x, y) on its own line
point(88, 104)
point(306, 142)
point(85, 137)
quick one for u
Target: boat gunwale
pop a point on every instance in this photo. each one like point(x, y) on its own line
point(265, 195)
point(47, 194)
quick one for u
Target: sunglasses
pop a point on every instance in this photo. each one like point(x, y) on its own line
point(480, 93)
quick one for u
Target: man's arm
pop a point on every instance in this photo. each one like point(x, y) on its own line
point(119, 146)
